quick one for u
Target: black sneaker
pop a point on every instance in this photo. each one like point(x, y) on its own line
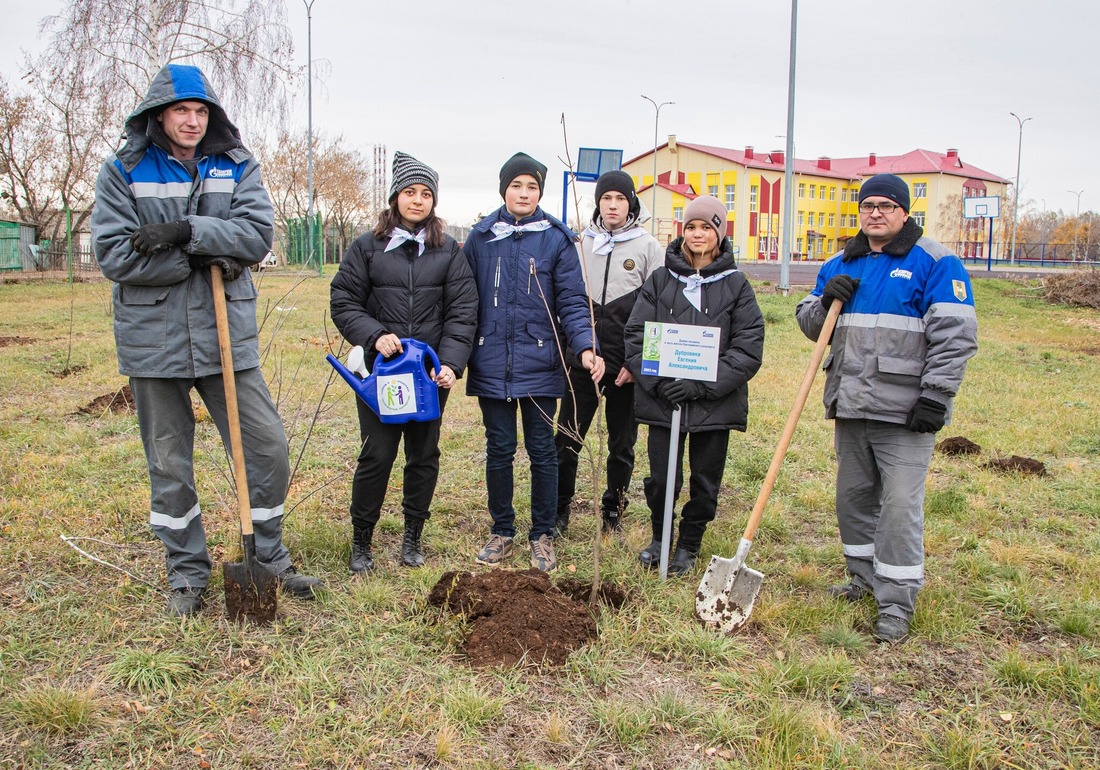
point(849, 592)
point(612, 522)
point(299, 586)
point(891, 629)
point(185, 602)
point(650, 557)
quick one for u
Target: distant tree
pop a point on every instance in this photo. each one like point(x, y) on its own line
point(342, 183)
point(100, 56)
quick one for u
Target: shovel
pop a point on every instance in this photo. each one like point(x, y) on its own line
point(728, 589)
point(250, 589)
point(670, 488)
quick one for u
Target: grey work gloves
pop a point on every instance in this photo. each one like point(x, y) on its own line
point(840, 287)
point(149, 239)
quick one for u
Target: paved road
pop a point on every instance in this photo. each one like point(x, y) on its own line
point(804, 274)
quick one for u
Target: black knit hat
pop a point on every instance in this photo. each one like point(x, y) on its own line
point(886, 186)
point(519, 164)
point(408, 171)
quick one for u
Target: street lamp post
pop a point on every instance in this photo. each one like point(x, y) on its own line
point(1016, 205)
point(1076, 220)
point(653, 206)
point(309, 130)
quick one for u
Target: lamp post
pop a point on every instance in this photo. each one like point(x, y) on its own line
point(1016, 205)
point(788, 162)
point(309, 130)
point(653, 206)
point(1076, 220)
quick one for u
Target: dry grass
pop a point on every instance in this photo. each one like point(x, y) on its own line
point(1003, 670)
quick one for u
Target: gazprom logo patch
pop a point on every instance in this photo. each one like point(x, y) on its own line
point(897, 272)
point(221, 173)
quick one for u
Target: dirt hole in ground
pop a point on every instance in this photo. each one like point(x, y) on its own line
point(6, 342)
point(520, 616)
point(1017, 464)
point(69, 371)
point(958, 445)
point(119, 402)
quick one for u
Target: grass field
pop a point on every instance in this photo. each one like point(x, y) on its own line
point(1002, 671)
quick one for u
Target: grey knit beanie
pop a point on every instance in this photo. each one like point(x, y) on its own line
point(408, 171)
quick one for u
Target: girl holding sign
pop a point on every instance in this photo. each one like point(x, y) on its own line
point(699, 286)
point(406, 279)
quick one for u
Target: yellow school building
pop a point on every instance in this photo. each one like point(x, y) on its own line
point(826, 191)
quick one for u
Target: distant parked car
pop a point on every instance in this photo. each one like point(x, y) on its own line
point(268, 261)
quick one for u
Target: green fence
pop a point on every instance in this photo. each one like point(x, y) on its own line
point(296, 244)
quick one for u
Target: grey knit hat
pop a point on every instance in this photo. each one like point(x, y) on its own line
point(710, 210)
point(408, 171)
point(886, 186)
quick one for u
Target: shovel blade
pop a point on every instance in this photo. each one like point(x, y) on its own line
point(727, 592)
point(250, 592)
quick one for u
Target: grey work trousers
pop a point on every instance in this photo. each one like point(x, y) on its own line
point(881, 471)
point(167, 423)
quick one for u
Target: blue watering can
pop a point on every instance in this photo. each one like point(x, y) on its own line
point(398, 389)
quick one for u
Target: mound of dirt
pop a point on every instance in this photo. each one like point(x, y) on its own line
point(958, 445)
point(119, 402)
point(514, 616)
point(1017, 464)
point(1079, 287)
point(9, 341)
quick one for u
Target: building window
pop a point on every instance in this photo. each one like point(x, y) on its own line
point(798, 248)
point(920, 189)
point(821, 195)
point(830, 245)
point(853, 220)
point(731, 194)
point(800, 220)
point(813, 191)
point(801, 189)
point(855, 194)
point(918, 217)
point(678, 213)
point(844, 194)
point(821, 220)
point(832, 196)
point(753, 190)
point(712, 190)
point(832, 220)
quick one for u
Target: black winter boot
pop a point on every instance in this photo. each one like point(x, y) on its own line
point(411, 555)
point(362, 561)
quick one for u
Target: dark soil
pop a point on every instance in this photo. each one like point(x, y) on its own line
point(9, 341)
point(519, 616)
point(69, 371)
point(119, 402)
point(958, 445)
point(1017, 464)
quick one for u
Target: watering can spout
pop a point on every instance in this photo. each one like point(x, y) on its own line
point(361, 387)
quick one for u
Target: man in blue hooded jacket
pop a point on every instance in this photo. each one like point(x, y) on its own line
point(183, 194)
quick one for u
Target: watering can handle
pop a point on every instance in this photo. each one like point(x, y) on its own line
point(407, 342)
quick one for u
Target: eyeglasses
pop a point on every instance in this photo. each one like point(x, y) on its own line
point(885, 208)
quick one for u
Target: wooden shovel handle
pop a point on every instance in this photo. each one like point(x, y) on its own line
point(792, 419)
point(229, 380)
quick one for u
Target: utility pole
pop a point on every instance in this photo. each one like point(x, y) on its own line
point(788, 164)
point(309, 131)
point(1016, 205)
point(653, 205)
point(1076, 221)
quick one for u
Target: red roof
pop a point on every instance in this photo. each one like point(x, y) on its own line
point(683, 189)
point(914, 162)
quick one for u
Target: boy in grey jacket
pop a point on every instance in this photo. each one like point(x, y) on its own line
point(181, 195)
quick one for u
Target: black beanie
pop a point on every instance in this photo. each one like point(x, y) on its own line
point(519, 164)
point(408, 171)
point(620, 182)
point(886, 186)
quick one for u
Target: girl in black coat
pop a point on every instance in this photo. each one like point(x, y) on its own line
point(409, 279)
point(700, 286)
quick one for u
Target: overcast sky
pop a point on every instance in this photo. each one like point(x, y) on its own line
point(463, 85)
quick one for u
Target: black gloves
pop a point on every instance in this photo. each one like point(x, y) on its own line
point(231, 268)
point(680, 391)
point(840, 287)
point(149, 239)
point(926, 416)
